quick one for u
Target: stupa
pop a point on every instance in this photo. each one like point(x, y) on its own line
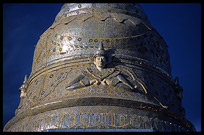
point(100, 66)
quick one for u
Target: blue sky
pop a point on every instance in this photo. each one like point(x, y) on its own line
point(178, 24)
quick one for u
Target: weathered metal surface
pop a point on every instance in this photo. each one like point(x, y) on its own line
point(101, 66)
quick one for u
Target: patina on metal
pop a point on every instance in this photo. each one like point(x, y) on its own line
point(100, 66)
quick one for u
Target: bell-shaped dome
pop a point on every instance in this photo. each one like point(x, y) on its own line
point(124, 28)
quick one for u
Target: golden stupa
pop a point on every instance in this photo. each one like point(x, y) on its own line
point(100, 66)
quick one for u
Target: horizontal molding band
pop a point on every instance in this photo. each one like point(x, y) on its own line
point(129, 61)
point(95, 101)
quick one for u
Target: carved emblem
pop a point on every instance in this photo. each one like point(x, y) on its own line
point(98, 74)
point(23, 90)
point(24, 87)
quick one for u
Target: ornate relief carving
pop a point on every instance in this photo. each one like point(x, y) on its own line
point(23, 90)
point(99, 74)
point(52, 80)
